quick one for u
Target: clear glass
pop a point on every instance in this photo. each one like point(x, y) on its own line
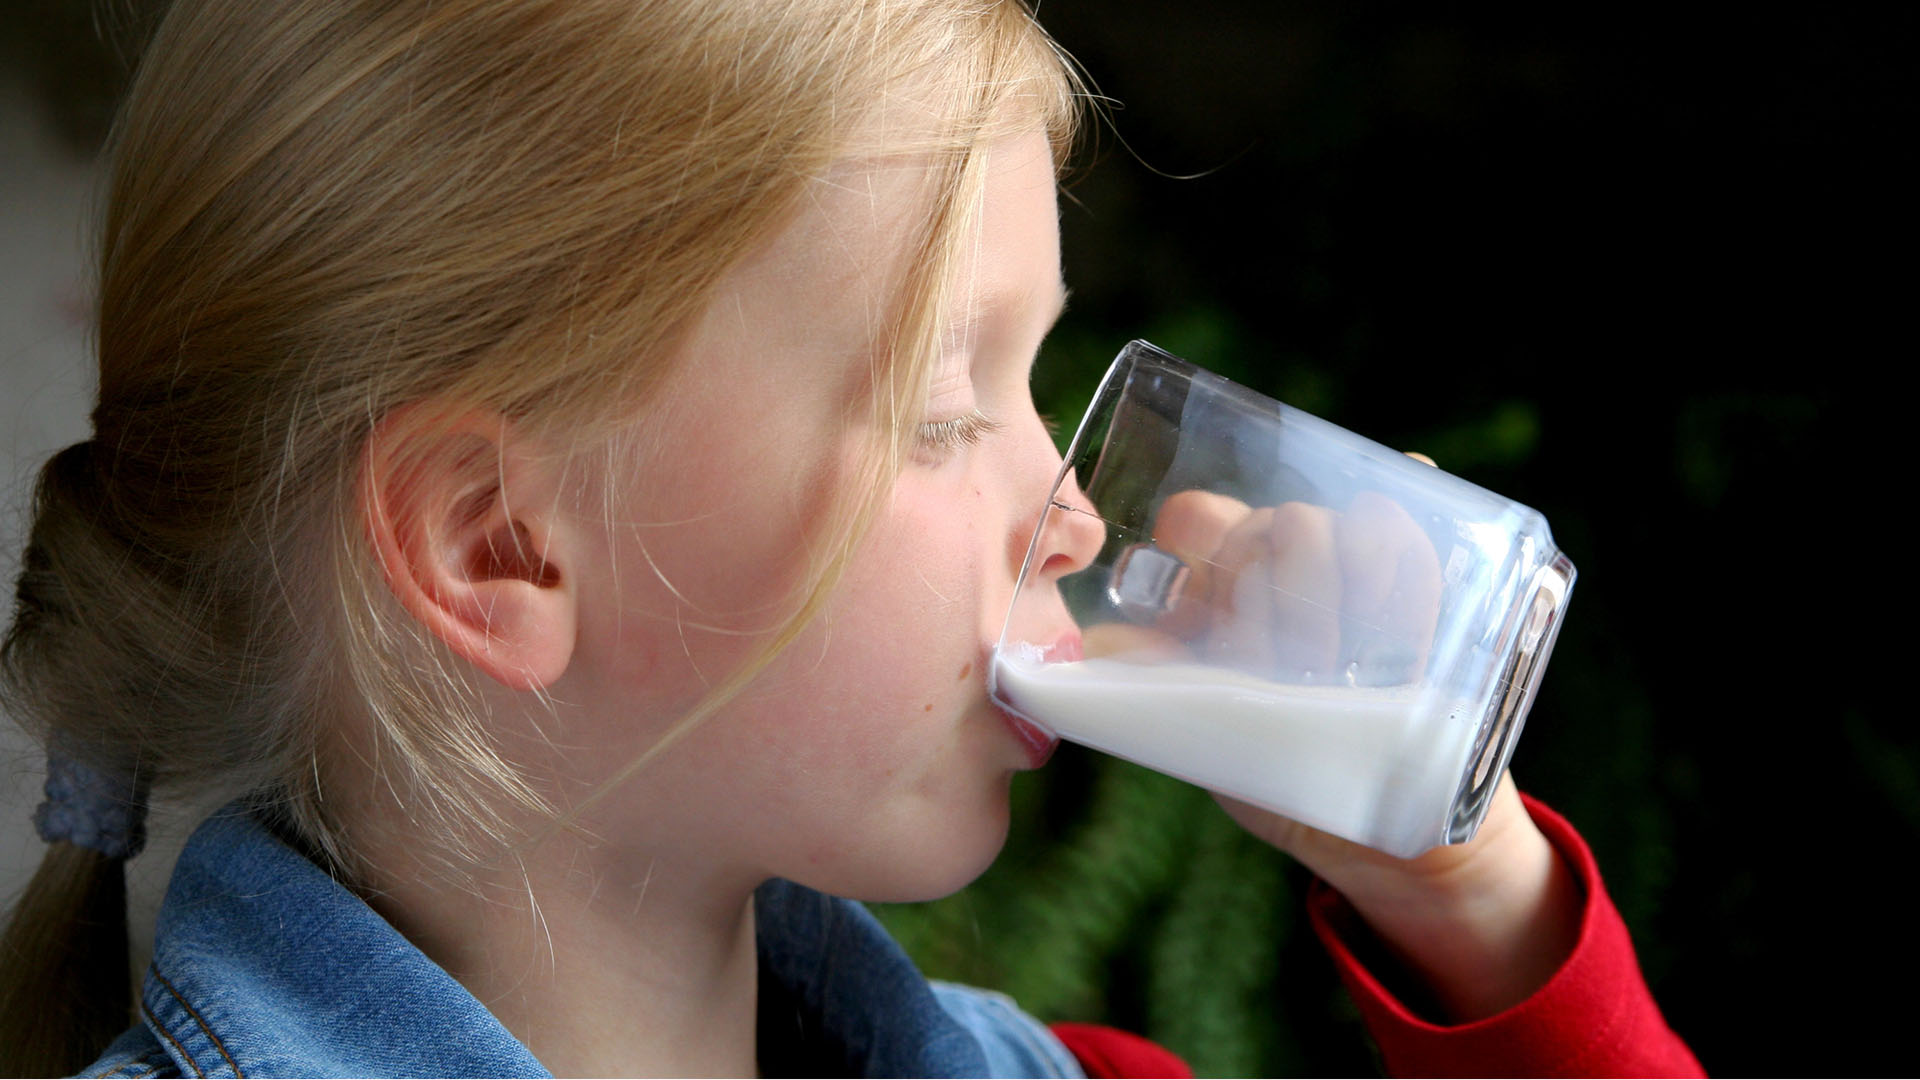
point(1286, 612)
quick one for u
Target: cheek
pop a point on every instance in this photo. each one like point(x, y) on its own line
point(924, 573)
point(704, 574)
point(905, 621)
point(899, 645)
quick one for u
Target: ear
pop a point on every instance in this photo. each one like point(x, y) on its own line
point(463, 516)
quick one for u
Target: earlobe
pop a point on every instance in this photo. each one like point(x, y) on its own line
point(462, 513)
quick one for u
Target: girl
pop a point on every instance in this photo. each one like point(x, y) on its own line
point(559, 469)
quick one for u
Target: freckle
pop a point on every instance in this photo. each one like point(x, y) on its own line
point(966, 669)
point(929, 707)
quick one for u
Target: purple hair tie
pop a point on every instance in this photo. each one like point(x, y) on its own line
point(91, 808)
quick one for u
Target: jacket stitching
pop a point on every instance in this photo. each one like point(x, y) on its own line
point(217, 1045)
point(167, 1035)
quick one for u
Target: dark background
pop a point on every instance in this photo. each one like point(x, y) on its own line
point(1636, 267)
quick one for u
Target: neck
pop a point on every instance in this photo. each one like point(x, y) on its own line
point(603, 965)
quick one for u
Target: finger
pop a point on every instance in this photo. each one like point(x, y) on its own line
point(1134, 644)
point(1191, 525)
point(1279, 573)
point(1392, 588)
point(1421, 458)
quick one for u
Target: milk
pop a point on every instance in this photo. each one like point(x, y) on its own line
point(1380, 766)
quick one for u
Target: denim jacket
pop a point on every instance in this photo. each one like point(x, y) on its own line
point(263, 965)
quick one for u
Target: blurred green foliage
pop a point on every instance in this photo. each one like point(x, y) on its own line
point(1142, 905)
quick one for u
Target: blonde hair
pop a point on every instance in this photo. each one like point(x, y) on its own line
point(320, 212)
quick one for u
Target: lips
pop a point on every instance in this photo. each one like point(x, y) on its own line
point(1038, 741)
point(1065, 650)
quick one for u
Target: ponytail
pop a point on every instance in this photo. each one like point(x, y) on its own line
point(65, 988)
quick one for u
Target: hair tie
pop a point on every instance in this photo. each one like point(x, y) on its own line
point(91, 808)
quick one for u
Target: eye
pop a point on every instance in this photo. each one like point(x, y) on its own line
point(943, 438)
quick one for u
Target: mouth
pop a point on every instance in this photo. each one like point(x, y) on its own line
point(1038, 742)
point(1065, 650)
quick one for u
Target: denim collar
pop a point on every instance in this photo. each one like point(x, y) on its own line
point(265, 965)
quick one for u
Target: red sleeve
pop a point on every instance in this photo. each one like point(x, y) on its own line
point(1104, 1051)
point(1595, 1017)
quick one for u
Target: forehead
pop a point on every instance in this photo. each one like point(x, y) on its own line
point(835, 271)
point(841, 259)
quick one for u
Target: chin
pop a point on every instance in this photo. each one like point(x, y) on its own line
point(943, 881)
point(935, 861)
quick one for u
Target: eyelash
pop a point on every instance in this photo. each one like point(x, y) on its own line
point(949, 436)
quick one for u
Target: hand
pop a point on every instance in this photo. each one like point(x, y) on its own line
point(1299, 593)
point(1483, 924)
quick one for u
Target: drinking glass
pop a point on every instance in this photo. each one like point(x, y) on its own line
point(1284, 611)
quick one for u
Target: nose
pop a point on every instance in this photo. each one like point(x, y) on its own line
point(1071, 532)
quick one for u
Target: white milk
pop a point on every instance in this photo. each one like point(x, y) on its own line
point(1378, 766)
